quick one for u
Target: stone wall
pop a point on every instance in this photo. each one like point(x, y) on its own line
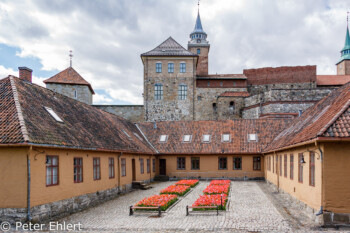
point(84, 94)
point(203, 59)
point(343, 68)
point(134, 113)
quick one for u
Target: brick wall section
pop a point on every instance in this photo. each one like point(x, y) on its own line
point(269, 75)
point(134, 113)
point(203, 60)
point(221, 83)
point(343, 68)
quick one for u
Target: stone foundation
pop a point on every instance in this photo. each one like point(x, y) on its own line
point(334, 219)
point(62, 208)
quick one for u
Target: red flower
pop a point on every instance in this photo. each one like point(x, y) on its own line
point(217, 189)
point(220, 182)
point(191, 183)
point(176, 189)
point(212, 200)
point(163, 200)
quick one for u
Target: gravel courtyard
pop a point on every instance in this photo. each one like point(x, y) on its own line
point(249, 210)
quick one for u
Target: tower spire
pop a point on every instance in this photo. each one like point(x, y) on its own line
point(70, 57)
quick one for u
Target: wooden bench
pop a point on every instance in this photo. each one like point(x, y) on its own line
point(132, 208)
point(202, 207)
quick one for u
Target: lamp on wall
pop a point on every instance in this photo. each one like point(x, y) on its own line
point(302, 160)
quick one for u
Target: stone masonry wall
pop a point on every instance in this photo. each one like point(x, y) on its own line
point(83, 92)
point(134, 113)
point(343, 68)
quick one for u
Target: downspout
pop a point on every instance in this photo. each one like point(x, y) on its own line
point(119, 169)
point(322, 180)
point(29, 218)
point(277, 171)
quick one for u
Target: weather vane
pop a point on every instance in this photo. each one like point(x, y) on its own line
point(70, 55)
point(347, 17)
point(198, 5)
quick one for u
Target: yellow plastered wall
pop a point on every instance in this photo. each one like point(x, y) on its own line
point(337, 177)
point(209, 166)
point(13, 177)
point(310, 195)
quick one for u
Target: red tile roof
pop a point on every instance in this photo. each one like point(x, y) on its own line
point(69, 76)
point(332, 80)
point(83, 127)
point(235, 94)
point(327, 118)
point(266, 130)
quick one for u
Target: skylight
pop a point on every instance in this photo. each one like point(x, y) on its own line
point(163, 138)
point(53, 114)
point(126, 133)
point(226, 138)
point(138, 136)
point(206, 138)
point(187, 138)
point(252, 137)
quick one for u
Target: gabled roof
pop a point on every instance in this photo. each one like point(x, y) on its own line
point(69, 76)
point(24, 119)
point(327, 118)
point(332, 80)
point(266, 130)
point(169, 48)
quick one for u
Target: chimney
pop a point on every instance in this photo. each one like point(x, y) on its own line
point(25, 74)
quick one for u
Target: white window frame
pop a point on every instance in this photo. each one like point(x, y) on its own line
point(250, 139)
point(223, 138)
point(185, 137)
point(204, 137)
point(165, 138)
point(53, 114)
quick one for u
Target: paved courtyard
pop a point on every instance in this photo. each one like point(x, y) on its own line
point(249, 210)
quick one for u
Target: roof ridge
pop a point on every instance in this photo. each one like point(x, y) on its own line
point(19, 110)
point(336, 116)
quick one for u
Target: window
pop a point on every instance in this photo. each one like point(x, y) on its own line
point(78, 170)
point(280, 165)
point(96, 168)
point(182, 67)
point(187, 138)
point(75, 94)
point(182, 91)
point(208, 83)
point(158, 91)
point(232, 107)
point(268, 163)
point(142, 167)
point(256, 163)
point(237, 163)
point(273, 164)
point(206, 138)
point(111, 167)
point(198, 51)
point(51, 170)
point(195, 163)
point(221, 84)
point(170, 67)
point(53, 114)
point(312, 169)
point(199, 98)
point(154, 165)
point(222, 163)
point(159, 67)
point(226, 138)
point(291, 167)
point(285, 165)
point(276, 164)
point(252, 137)
point(214, 107)
point(300, 168)
point(163, 138)
point(148, 166)
point(181, 163)
point(123, 163)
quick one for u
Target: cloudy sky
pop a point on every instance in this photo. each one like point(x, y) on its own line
point(108, 36)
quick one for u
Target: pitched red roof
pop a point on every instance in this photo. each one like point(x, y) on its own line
point(83, 127)
point(235, 94)
point(332, 80)
point(328, 117)
point(69, 76)
point(266, 130)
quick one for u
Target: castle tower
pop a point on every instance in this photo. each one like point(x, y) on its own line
point(343, 66)
point(200, 46)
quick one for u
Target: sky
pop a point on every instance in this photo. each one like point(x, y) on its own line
point(108, 36)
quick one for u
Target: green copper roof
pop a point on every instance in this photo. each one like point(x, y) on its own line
point(347, 40)
point(345, 52)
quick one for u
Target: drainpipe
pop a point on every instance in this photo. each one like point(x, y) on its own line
point(277, 171)
point(322, 180)
point(119, 169)
point(29, 218)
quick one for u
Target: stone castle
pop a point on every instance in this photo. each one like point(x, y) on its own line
point(178, 86)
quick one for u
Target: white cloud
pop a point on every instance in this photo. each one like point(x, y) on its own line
point(107, 37)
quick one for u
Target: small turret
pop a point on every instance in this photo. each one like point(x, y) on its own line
point(343, 66)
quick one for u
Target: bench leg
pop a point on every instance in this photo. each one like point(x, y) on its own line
point(159, 211)
point(217, 210)
point(187, 211)
point(131, 211)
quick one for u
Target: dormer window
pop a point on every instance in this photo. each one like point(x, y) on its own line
point(187, 138)
point(206, 138)
point(163, 138)
point(253, 137)
point(226, 138)
point(53, 114)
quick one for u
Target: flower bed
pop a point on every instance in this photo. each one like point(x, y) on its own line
point(217, 189)
point(211, 200)
point(163, 200)
point(191, 183)
point(220, 182)
point(176, 189)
